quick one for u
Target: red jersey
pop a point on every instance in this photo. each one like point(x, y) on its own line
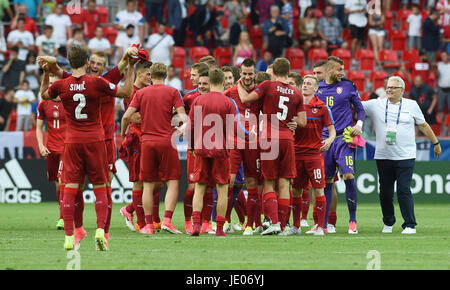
point(282, 102)
point(90, 22)
point(211, 104)
point(82, 98)
point(189, 99)
point(155, 103)
point(54, 113)
point(308, 140)
point(248, 113)
point(108, 111)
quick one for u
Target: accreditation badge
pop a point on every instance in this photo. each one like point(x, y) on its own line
point(391, 136)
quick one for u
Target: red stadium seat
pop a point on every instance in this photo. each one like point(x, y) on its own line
point(432, 79)
point(103, 12)
point(405, 78)
point(365, 96)
point(110, 33)
point(179, 57)
point(377, 78)
point(410, 55)
point(388, 20)
point(256, 36)
point(222, 56)
point(343, 54)
point(185, 76)
point(296, 56)
point(366, 59)
point(401, 17)
point(389, 58)
point(305, 72)
point(75, 17)
point(197, 52)
point(398, 39)
point(358, 78)
point(316, 54)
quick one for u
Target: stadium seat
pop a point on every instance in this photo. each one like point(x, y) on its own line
point(316, 54)
point(296, 56)
point(197, 52)
point(388, 20)
point(179, 57)
point(110, 33)
point(256, 36)
point(377, 77)
point(189, 42)
point(358, 78)
point(389, 58)
point(366, 59)
point(318, 13)
point(343, 54)
point(305, 72)
point(103, 12)
point(397, 39)
point(222, 56)
point(365, 96)
point(295, 18)
point(432, 79)
point(410, 55)
point(185, 76)
point(75, 17)
point(405, 78)
point(401, 17)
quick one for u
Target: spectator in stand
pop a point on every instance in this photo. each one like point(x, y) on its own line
point(21, 38)
point(24, 98)
point(244, 49)
point(178, 20)
point(46, 43)
point(264, 62)
point(130, 16)
point(357, 20)
point(405, 3)
point(426, 98)
point(443, 6)
point(77, 40)
point(123, 41)
point(234, 8)
point(339, 10)
point(236, 29)
point(6, 106)
point(263, 8)
point(160, 45)
point(32, 71)
point(154, 8)
point(99, 43)
point(172, 79)
point(47, 8)
point(3, 47)
point(330, 30)
point(254, 16)
point(414, 27)
point(307, 27)
point(203, 22)
point(287, 14)
point(275, 31)
point(62, 25)
point(431, 35)
point(377, 32)
point(443, 76)
point(34, 7)
point(13, 70)
point(4, 6)
point(91, 19)
point(30, 23)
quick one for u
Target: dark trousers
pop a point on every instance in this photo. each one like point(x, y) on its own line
point(390, 171)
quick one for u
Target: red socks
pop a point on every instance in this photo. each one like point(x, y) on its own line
point(229, 205)
point(149, 219)
point(258, 214)
point(207, 207)
point(332, 218)
point(187, 203)
point(130, 208)
point(305, 204)
point(137, 205)
point(101, 206)
point(196, 217)
point(156, 218)
point(296, 210)
point(69, 209)
point(271, 206)
point(108, 216)
point(167, 217)
point(283, 211)
point(240, 207)
point(220, 221)
point(79, 209)
point(252, 206)
point(320, 209)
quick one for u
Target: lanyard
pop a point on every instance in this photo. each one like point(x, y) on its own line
point(399, 110)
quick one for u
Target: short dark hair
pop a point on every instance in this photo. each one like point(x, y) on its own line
point(78, 56)
point(8, 89)
point(320, 63)
point(204, 73)
point(248, 62)
point(140, 66)
point(200, 67)
point(209, 60)
point(226, 68)
point(281, 66)
point(262, 76)
point(297, 78)
point(335, 59)
point(216, 77)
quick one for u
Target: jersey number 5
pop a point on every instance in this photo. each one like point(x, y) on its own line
point(82, 99)
point(282, 115)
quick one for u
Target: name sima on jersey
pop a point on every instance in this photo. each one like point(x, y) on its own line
point(77, 87)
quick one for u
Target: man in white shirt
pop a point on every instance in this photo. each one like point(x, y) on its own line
point(160, 46)
point(24, 98)
point(130, 16)
point(99, 43)
point(62, 25)
point(443, 75)
point(21, 38)
point(357, 20)
point(172, 80)
point(46, 43)
point(394, 119)
point(414, 21)
point(123, 41)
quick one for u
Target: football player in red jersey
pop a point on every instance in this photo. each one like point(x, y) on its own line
point(85, 148)
point(53, 112)
point(281, 103)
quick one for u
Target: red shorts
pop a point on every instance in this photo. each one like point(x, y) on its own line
point(53, 160)
point(159, 162)
point(250, 159)
point(310, 171)
point(134, 165)
point(283, 164)
point(111, 155)
point(82, 159)
point(212, 171)
point(190, 167)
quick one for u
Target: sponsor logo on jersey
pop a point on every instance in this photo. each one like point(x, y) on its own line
point(339, 90)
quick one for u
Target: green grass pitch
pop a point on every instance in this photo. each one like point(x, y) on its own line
point(29, 241)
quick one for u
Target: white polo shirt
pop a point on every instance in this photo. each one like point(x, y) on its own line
point(410, 115)
point(358, 19)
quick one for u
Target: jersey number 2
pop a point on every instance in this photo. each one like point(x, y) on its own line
point(82, 99)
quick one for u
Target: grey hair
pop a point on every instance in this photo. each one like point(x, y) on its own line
point(399, 80)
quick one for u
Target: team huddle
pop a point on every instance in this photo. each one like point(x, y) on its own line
point(276, 132)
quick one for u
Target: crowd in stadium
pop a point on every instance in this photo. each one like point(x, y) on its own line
point(404, 38)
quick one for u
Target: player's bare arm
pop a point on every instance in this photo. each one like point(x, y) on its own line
point(45, 84)
point(126, 120)
point(127, 89)
point(130, 56)
point(301, 119)
point(49, 62)
point(40, 138)
point(245, 96)
point(180, 121)
point(327, 142)
point(427, 131)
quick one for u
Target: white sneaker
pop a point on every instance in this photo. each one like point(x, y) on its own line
point(248, 231)
point(291, 231)
point(331, 229)
point(266, 223)
point(237, 227)
point(319, 232)
point(304, 223)
point(312, 230)
point(272, 229)
point(387, 229)
point(228, 228)
point(408, 231)
point(258, 230)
